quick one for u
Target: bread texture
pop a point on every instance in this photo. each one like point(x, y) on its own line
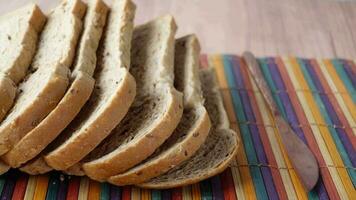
point(48, 78)
point(214, 155)
point(114, 92)
point(193, 127)
point(18, 38)
point(156, 110)
point(79, 92)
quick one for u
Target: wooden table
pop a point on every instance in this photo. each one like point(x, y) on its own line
point(309, 28)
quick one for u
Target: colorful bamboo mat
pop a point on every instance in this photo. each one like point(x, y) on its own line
point(317, 97)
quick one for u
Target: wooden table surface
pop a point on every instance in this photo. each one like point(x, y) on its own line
point(308, 28)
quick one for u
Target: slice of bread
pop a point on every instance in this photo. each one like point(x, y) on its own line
point(18, 39)
point(156, 110)
point(214, 155)
point(47, 81)
point(114, 91)
point(193, 127)
point(76, 96)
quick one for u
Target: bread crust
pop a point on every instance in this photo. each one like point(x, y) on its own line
point(7, 94)
point(49, 128)
point(35, 167)
point(174, 156)
point(122, 159)
point(11, 131)
point(74, 149)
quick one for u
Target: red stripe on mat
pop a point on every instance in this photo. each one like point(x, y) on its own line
point(20, 188)
point(227, 184)
point(73, 188)
point(177, 194)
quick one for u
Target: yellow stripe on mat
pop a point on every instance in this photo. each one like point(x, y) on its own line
point(196, 195)
point(243, 172)
point(343, 100)
point(135, 193)
point(276, 148)
point(186, 193)
point(30, 188)
point(41, 187)
point(94, 190)
point(145, 194)
point(298, 81)
point(83, 188)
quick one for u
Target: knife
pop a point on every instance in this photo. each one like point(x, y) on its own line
point(302, 159)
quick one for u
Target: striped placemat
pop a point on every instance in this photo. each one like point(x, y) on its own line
point(317, 97)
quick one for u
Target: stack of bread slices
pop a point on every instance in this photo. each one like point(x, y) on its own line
point(84, 91)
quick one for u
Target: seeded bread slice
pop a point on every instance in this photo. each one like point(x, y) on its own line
point(114, 92)
point(214, 155)
point(156, 110)
point(18, 39)
point(76, 96)
point(43, 88)
point(193, 127)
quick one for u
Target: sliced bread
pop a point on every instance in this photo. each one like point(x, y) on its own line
point(79, 92)
point(47, 81)
point(114, 91)
point(18, 39)
point(214, 155)
point(156, 111)
point(193, 127)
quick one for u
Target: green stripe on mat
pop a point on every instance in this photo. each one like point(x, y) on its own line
point(344, 78)
point(156, 194)
point(53, 186)
point(205, 190)
point(104, 191)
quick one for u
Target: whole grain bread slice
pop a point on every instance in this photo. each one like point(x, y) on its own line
point(156, 110)
point(113, 94)
point(214, 155)
point(47, 81)
point(193, 128)
point(82, 85)
point(18, 41)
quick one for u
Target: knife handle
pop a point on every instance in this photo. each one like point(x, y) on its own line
point(254, 68)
